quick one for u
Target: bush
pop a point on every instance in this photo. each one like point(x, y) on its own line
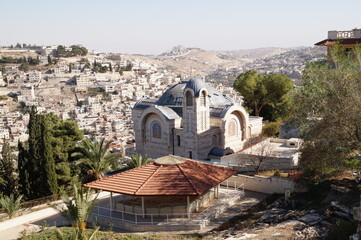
point(342, 230)
point(277, 173)
point(10, 204)
point(68, 232)
point(271, 129)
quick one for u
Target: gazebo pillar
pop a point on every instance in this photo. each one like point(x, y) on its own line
point(143, 209)
point(188, 208)
point(111, 201)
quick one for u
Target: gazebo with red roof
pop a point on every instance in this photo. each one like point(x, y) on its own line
point(168, 181)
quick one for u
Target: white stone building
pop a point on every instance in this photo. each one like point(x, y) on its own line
point(34, 76)
point(192, 119)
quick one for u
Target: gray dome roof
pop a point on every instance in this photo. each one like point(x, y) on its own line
point(174, 95)
point(196, 85)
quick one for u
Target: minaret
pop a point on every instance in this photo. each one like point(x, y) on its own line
point(32, 93)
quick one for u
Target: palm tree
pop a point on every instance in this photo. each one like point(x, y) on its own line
point(78, 208)
point(10, 204)
point(96, 157)
point(137, 160)
point(74, 236)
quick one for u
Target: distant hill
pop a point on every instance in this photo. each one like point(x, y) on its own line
point(225, 66)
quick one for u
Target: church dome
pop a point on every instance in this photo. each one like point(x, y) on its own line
point(174, 95)
point(196, 85)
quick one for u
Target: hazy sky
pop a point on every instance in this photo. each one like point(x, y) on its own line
point(154, 26)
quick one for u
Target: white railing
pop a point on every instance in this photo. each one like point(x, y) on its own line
point(234, 185)
point(173, 218)
point(139, 218)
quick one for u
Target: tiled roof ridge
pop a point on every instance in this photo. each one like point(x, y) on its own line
point(150, 176)
point(186, 176)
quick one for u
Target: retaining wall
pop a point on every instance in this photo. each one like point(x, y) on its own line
point(268, 185)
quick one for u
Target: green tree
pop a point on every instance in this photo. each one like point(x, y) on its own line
point(96, 158)
point(24, 171)
point(47, 160)
point(328, 112)
point(77, 50)
point(10, 204)
point(129, 67)
point(65, 135)
point(24, 67)
point(42, 176)
point(60, 51)
point(49, 60)
point(18, 45)
point(78, 208)
point(265, 95)
point(137, 160)
point(46, 163)
point(7, 170)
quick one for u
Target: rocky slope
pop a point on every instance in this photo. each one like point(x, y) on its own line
point(325, 212)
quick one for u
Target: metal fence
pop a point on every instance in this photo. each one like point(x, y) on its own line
point(202, 218)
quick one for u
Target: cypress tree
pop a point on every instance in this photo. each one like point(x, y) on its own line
point(24, 169)
point(50, 185)
point(7, 170)
point(36, 178)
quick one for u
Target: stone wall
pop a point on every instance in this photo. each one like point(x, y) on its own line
point(268, 185)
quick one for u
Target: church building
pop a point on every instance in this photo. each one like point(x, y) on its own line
point(193, 120)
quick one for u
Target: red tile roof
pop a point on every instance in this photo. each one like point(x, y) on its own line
point(330, 42)
point(168, 175)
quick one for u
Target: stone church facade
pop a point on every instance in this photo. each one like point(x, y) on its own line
point(193, 120)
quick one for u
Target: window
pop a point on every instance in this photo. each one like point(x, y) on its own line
point(232, 127)
point(203, 99)
point(178, 140)
point(189, 99)
point(156, 130)
point(190, 154)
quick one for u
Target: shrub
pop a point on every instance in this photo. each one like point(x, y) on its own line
point(10, 204)
point(271, 129)
point(277, 173)
point(342, 230)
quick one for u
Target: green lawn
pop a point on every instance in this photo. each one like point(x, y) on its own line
point(52, 234)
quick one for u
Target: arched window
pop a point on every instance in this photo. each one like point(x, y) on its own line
point(189, 99)
point(232, 127)
point(203, 98)
point(156, 130)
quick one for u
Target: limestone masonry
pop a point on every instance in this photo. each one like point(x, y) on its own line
point(192, 119)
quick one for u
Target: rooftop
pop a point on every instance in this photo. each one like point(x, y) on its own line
point(169, 175)
point(343, 37)
point(173, 97)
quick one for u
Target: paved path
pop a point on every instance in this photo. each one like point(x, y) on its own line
point(12, 228)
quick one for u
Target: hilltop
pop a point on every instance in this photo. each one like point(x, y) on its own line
point(225, 66)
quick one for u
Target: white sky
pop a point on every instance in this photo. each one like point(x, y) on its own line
point(154, 26)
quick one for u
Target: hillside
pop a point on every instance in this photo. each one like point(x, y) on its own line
point(225, 66)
